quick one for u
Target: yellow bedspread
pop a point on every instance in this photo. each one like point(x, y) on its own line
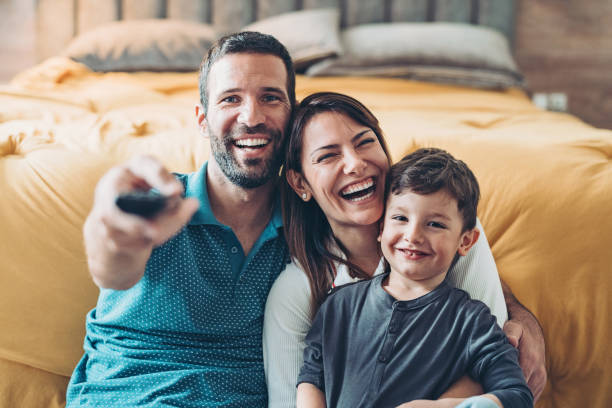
point(546, 181)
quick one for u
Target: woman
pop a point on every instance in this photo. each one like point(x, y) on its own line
point(335, 168)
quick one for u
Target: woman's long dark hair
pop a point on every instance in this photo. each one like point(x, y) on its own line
point(307, 230)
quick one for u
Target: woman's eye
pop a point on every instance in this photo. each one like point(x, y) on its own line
point(325, 157)
point(365, 141)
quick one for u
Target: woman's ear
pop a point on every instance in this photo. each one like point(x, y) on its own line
point(299, 184)
point(468, 239)
point(201, 119)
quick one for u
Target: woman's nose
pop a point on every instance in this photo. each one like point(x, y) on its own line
point(251, 113)
point(353, 163)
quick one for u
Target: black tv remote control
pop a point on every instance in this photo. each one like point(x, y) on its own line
point(143, 203)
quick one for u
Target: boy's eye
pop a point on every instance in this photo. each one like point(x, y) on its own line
point(400, 218)
point(436, 224)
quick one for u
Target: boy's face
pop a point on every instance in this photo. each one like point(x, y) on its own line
point(422, 233)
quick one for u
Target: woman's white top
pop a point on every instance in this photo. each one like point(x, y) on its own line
point(288, 313)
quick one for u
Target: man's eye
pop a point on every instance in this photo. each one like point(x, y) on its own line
point(230, 99)
point(400, 218)
point(270, 98)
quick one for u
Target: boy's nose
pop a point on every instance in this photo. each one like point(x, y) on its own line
point(413, 234)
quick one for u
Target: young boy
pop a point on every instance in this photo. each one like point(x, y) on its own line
point(406, 334)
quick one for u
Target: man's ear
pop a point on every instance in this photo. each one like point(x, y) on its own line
point(299, 184)
point(468, 239)
point(201, 119)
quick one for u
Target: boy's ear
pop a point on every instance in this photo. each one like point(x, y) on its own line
point(299, 184)
point(381, 226)
point(201, 119)
point(468, 239)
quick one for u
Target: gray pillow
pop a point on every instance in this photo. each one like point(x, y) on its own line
point(309, 35)
point(143, 45)
point(441, 52)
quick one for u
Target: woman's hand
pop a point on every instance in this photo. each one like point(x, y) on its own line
point(524, 333)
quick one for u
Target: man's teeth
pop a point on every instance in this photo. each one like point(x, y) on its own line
point(353, 188)
point(251, 142)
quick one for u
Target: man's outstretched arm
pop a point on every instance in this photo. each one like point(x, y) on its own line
point(525, 333)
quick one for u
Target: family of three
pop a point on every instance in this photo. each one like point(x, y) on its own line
point(223, 299)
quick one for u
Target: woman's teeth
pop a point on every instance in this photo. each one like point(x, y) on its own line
point(359, 191)
point(251, 142)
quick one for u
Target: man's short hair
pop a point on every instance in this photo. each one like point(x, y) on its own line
point(429, 170)
point(246, 42)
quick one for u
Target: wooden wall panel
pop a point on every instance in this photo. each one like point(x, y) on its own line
point(92, 13)
point(310, 4)
point(567, 47)
point(56, 19)
point(459, 11)
point(499, 15)
point(269, 8)
point(231, 15)
point(359, 12)
point(192, 10)
point(139, 9)
point(408, 10)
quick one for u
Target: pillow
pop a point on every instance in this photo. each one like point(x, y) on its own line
point(442, 52)
point(143, 45)
point(309, 35)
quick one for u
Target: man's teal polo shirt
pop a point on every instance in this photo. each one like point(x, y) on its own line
point(189, 333)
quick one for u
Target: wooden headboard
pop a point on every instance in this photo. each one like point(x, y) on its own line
point(60, 20)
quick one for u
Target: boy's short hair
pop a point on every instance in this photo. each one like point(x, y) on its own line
point(428, 170)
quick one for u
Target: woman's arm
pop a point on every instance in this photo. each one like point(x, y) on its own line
point(525, 333)
point(477, 274)
point(309, 396)
point(287, 320)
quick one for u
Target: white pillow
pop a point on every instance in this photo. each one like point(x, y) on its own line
point(309, 35)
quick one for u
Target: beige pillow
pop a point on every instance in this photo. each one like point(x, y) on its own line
point(441, 52)
point(143, 45)
point(309, 35)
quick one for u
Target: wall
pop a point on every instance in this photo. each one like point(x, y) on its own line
point(561, 46)
point(566, 46)
point(17, 37)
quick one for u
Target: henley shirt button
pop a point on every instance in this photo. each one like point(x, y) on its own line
point(234, 250)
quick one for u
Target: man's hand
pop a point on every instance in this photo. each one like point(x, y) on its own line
point(118, 244)
point(524, 333)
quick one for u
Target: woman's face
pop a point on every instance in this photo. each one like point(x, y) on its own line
point(343, 169)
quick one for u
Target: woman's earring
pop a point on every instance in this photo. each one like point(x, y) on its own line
point(304, 196)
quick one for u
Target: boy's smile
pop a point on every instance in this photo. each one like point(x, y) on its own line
point(420, 236)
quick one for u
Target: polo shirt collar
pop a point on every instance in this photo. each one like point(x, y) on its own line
point(196, 187)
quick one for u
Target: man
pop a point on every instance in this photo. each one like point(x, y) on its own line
point(179, 317)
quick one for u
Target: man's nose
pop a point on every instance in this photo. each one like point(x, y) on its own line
point(353, 163)
point(251, 114)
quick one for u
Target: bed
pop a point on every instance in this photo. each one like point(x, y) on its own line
point(546, 178)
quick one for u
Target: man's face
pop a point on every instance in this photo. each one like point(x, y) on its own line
point(247, 114)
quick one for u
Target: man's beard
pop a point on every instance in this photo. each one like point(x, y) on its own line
point(259, 170)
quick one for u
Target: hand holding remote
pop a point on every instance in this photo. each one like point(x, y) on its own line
point(137, 206)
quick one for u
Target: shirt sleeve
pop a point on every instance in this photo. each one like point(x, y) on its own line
point(287, 319)
point(312, 369)
point(494, 362)
point(476, 273)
